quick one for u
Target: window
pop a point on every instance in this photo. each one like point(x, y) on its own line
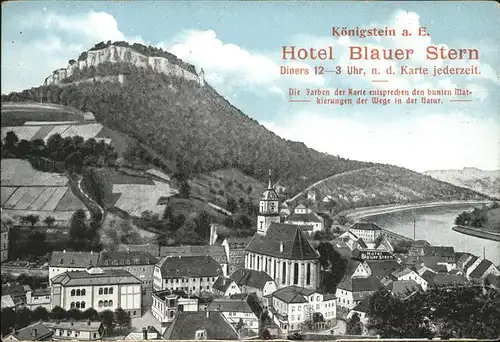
point(293, 308)
point(95, 335)
point(105, 303)
point(283, 274)
point(100, 304)
point(296, 274)
point(135, 312)
point(72, 305)
point(110, 290)
point(78, 305)
point(100, 291)
point(83, 292)
point(110, 303)
point(78, 292)
point(105, 290)
point(82, 305)
point(300, 308)
point(171, 314)
point(308, 275)
point(72, 292)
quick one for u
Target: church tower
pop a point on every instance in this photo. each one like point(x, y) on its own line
point(268, 208)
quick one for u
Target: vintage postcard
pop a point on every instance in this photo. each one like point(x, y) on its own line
point(250, 170)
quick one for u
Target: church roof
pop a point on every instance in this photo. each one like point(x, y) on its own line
point(296, 246)
point(269, 194)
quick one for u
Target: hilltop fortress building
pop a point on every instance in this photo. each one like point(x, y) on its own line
point(114, 54)
point(281, 250)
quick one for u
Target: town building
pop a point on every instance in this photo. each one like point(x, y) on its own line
point(350, 291)
point(251, 281)
point(281, 250)
point(368, 231)
point(235, 250)
point(403, 288)
point(238, 313)
point(306, 218)
point(149, 333)
point(480, 270)
point(362, 310)
point(76, 330)
point(38, 298)
point(152, 249)
point(226, 287)
point(66, 261)
point(33, 332)
point(294, 306)
point(4, 242)
point(193, 274)
point(98, 289)
point(139, 263)
point(14, 295)
point(201, 325)
point(407, 274)
point(218, 253)
point(446, 253)
point(166, 304)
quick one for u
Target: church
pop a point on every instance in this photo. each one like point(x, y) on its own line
point(281, 250)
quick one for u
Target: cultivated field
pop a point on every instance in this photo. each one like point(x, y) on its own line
point(17, 113)
point(17, 172)
point(32, 132)
point(27, 191)
point(137, 198)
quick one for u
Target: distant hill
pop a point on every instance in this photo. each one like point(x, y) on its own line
point(384, 184)
point(164, 104)
point(486, 182)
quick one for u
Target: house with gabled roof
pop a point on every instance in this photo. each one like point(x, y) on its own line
point(201, 325)
point(351, 291)
point(237, 312)
point(33, 332)
point(368, 231)
point(193, 274)
point(482, 269)
point(225, 287)
point(407, 274)
point(292, 306)
point(252, 281)
point(217, 252)
point(305, 217)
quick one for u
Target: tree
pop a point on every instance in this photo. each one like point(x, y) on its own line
point(107, 318)
point(49, 221)
point(79, 231)
point(11, 140)
point(184, 190)
point(354, 325)
point(8, 319)
point(308, 323)
point(122, 319)
point(231, 205)
point(31, 219)
point(333, 265)
point(239, 326)
point(90, 314)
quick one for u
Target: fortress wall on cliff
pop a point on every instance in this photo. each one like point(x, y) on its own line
point(115, 54)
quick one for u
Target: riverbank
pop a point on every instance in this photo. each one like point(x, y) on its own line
point(477, 233)
point(359, 213)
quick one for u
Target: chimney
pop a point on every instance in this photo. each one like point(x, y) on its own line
point(33, 333)
point(208, 314)
point(144, 334)
point(281, 247)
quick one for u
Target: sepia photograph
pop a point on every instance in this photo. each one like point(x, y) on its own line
point(250, 170)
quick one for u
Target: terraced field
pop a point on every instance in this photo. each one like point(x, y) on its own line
point(25, 191)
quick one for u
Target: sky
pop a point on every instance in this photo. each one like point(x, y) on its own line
point(239, 45)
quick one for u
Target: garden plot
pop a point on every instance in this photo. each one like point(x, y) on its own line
point(60, 129)
point(6, 193)
point(53, 201)
point(42, 199)
point(22, 132)
point(14, 198)
point(86, 131)
point(17, 172)
point(29, 197)
point(137, 198)
point(69, 202)
point(43, 132)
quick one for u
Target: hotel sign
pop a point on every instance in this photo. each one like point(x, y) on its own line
point(375, 255)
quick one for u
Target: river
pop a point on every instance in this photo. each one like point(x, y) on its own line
point(435, 226)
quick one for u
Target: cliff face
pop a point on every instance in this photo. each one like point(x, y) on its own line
point(114, 54)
